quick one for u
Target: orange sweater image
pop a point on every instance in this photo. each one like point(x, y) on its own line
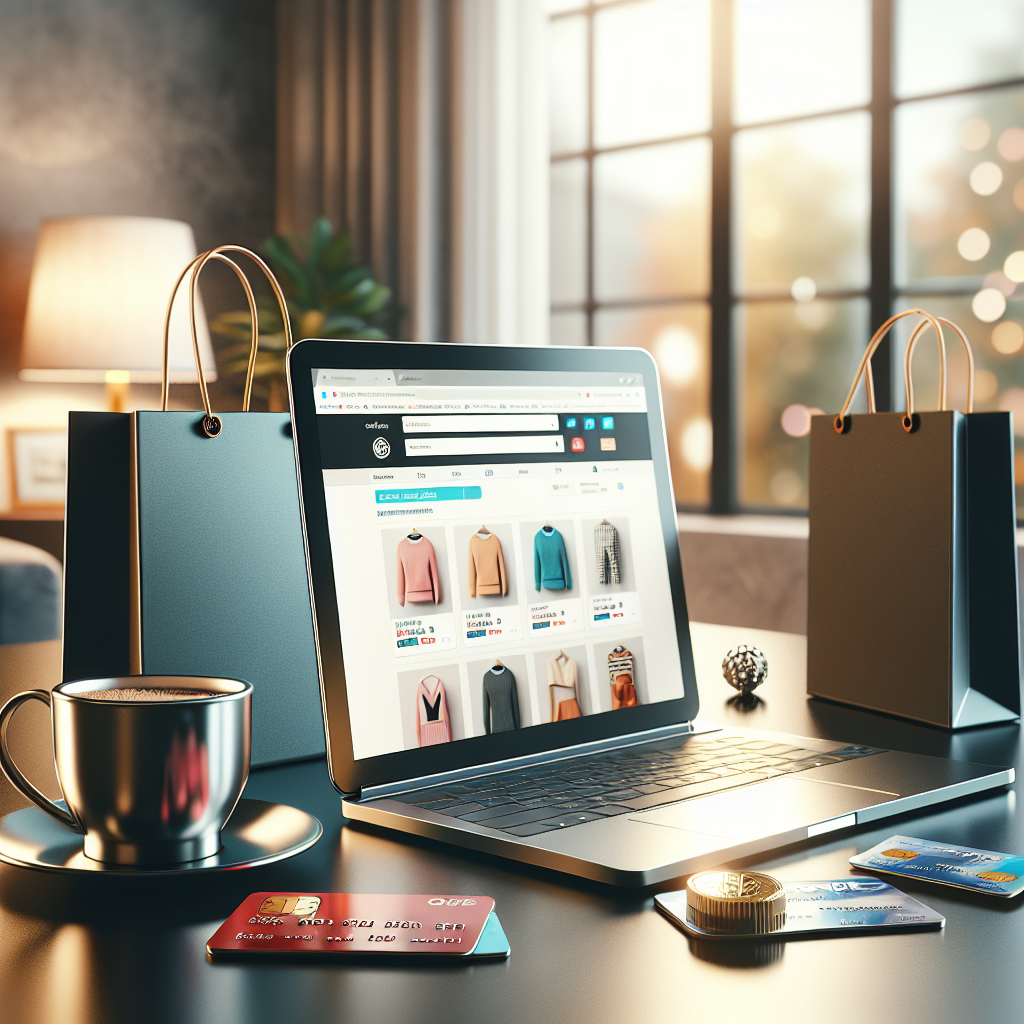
point(418, 581)
point(486, 566)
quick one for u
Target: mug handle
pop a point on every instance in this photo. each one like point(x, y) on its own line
point(13, 773)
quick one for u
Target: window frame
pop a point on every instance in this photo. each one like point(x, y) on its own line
point(724, 298)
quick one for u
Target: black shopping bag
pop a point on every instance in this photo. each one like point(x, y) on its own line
point(912, 582)
point(184, 556)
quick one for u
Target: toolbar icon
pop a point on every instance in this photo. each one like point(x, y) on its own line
point(577, 444)
point(589, 423)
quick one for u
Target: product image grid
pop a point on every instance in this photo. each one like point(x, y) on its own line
point(548, 687)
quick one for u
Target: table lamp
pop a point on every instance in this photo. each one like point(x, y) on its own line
point(97, 301)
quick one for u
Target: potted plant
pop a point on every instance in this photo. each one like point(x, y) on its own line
point(329, 296)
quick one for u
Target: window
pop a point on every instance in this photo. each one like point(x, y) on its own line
point(631, 201)
point(747, 187)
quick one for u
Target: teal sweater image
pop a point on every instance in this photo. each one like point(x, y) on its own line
point(550, 562)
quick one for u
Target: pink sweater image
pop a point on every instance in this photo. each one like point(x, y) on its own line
point(418, 581)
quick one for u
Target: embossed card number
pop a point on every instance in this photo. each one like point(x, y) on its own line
point(342, 923)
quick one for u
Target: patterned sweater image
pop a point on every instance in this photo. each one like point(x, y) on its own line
point(418, 581)
point(550, 560)
point(621, 676)
point(609, 557)
point(487, 574)
point(501, 701)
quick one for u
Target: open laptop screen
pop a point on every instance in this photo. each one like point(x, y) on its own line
point(498, 551)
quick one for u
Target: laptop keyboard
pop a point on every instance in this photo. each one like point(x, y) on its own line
point(560, 794)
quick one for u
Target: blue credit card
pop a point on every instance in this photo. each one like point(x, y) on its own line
point(829, 907)
point(998, 874)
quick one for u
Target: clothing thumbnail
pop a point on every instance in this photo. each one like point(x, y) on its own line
point(562, 681)
point(501, 700)
point(418, 581)
point(609, 554)
point(621, 675)
point(432, 722)
point(487, 575)
point(550, 561)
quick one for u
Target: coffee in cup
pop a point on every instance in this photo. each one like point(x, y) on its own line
point(142, 694)
point(151, 767)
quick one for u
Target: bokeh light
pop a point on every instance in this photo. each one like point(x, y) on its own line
point(1008, 337)
point(974, 135)
point(786, 487)
point(973, 244)
point(986, 178)
point(678, 353)
point(1011, 144)
point(1013, 268)
point(989, 305)
point(998, 280)
point(796, 419)
point(804, 289)
point(696, 443)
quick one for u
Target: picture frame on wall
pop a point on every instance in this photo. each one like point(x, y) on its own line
point(37, 463)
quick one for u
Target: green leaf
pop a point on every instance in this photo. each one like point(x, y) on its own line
point(336, 255)
point(317, 275)
point(320, 236)
point(343, 322)
point(285, 263)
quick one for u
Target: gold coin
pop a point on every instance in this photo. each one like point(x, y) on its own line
point(736, 901)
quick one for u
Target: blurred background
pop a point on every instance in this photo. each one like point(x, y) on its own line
point(747, 188)
point(743, 187)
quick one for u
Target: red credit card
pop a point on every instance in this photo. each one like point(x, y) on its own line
point(345, 923)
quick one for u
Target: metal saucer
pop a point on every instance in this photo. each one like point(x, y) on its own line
point(258, 832)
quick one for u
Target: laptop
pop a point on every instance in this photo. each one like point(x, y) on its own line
point(501, 622)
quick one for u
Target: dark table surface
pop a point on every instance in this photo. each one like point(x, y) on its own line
point(102, 949)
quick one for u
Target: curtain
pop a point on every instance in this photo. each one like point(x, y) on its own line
point(420, 126)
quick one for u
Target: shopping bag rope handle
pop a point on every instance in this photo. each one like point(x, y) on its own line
point(908, 422)
point(211, 423)
point(165, 375)
point(864, 367)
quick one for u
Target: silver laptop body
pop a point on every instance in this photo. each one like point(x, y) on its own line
point(408, 442)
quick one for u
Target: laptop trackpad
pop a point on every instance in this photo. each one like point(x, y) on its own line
point(768, 808)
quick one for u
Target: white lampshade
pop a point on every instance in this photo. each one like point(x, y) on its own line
point(97, 300)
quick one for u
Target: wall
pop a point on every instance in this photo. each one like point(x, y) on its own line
point(159, 108)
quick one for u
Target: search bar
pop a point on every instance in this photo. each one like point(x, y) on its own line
point(534, 444)
point(469, 424)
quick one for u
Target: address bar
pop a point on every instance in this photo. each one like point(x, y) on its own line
point(428, 424)
point(531, 444)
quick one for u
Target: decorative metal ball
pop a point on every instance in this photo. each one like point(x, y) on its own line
point(745, 668)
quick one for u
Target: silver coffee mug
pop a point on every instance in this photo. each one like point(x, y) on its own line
point(148, 781)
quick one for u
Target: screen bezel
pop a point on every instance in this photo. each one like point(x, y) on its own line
point(349, 775)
